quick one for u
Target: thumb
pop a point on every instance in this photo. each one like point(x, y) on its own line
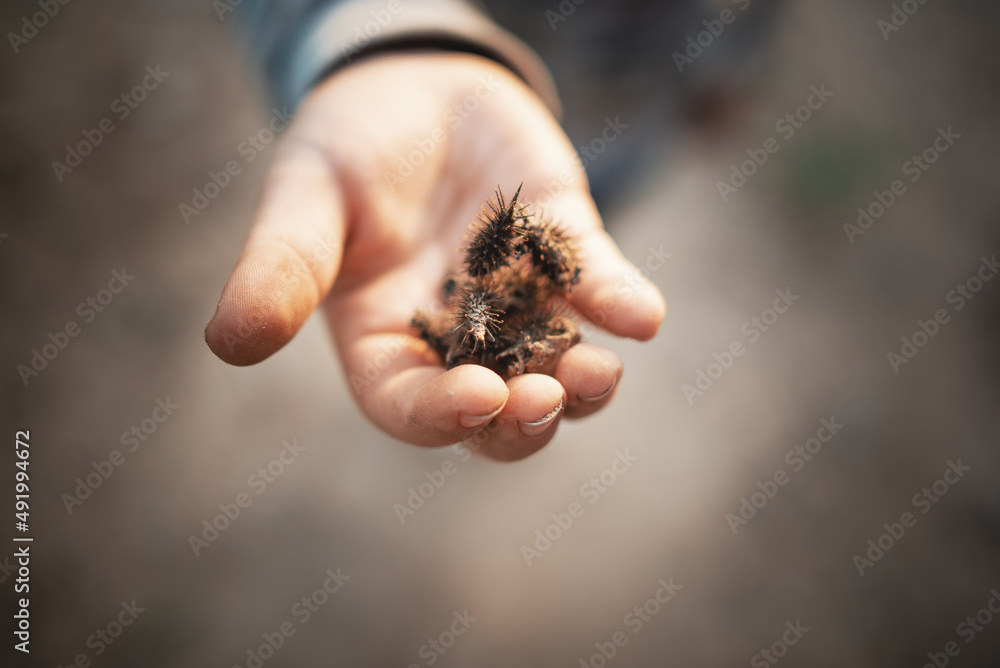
point(289, 263)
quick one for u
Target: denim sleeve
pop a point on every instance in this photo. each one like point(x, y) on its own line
point(299, 42)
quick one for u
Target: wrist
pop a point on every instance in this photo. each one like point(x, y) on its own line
point(341, 34)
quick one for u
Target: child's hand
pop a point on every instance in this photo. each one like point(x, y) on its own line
point(385, 163)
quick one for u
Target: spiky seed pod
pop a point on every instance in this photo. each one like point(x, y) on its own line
point(551, 250)
point(478, 314)
point(536, 339)
point(458, 355)
point(507, 307)
point(434, 331)
point(494, 239)
point(522, 287)
point(449, 288)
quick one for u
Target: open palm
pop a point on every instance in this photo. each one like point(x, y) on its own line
point(365, 210)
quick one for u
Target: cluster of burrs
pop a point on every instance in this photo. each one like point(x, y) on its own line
point(506, 309)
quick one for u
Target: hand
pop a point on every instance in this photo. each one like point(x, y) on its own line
point(344, 222)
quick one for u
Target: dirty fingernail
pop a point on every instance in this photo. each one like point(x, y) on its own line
point(538, 426)
point(472, 421)
point(602, 394)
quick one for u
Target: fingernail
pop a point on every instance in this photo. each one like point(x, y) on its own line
point(472, 421)
point(602, 394)
point(538, 426)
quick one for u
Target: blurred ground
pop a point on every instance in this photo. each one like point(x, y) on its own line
point(665, 517)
